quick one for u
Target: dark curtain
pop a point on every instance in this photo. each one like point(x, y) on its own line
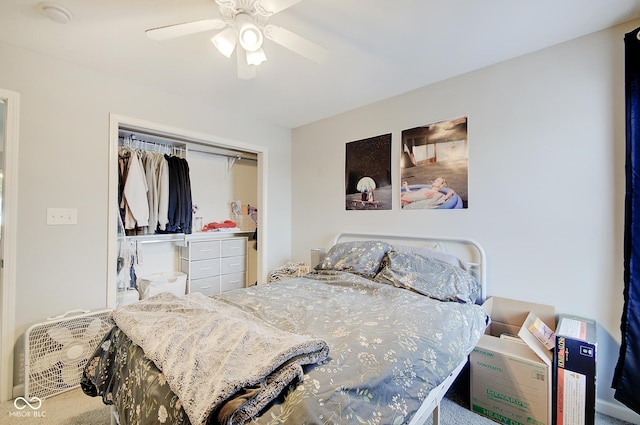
point(626, 379)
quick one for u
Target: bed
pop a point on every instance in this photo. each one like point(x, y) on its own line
point(380, 331)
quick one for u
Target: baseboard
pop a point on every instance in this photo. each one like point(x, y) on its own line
point(18, 390)
point(617, 410)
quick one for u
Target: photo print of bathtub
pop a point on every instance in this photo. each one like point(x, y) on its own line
point(434, 166)
point(368, 174)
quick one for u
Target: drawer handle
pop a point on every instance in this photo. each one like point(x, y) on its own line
point(206, 287)
point(234, 264)
point(206, 250)
point(205, 268)
point(234, 281)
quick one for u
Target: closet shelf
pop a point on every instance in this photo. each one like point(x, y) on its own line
point(169, 237)
point(183, 238)
point(195, 236)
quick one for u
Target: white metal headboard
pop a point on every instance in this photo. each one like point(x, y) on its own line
point(467, 250)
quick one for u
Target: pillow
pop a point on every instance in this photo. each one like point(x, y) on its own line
point(359, 257)
point(435, 252)
point(429, 276)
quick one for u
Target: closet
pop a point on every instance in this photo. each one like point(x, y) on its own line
point(183, 208)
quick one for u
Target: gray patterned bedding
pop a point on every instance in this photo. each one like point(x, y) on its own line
point(390, 345)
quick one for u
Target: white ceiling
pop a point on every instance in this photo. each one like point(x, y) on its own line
point(378, 48)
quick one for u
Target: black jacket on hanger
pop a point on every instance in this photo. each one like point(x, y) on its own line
point(180, 204)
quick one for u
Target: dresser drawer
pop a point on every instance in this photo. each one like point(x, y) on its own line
point(232, 281)
point(207, 286)
point(202, 250)
point(233, 264)
point(201, 268)
point(233, 247)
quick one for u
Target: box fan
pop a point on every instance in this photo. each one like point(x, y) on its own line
point(57, 350)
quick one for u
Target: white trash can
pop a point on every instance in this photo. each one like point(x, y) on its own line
point(155, 283)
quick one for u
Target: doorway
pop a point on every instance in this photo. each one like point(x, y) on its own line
point(9, 109)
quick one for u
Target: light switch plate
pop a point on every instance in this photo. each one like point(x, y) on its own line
point(62, 216)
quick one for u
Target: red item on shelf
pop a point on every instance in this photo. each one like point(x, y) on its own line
point(215, 225)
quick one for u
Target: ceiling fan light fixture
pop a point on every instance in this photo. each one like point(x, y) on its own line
point(256, 57)
point(250, 37)
point(225, 41)
point(243, 25)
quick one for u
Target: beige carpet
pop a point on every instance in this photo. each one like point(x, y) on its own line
point(75, 408)
point(69, 408)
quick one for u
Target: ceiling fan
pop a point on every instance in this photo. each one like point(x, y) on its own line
point(244, 26)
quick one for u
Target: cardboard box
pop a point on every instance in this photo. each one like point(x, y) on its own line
point(575, 371)
point(511, 377)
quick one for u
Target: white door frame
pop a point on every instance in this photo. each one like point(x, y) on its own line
point(9, 241)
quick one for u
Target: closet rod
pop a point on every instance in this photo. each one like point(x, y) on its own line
point(248, 156)
point(155, 145)
point(193, 144)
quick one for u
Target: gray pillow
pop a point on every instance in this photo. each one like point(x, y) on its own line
point(435, 251)
point(359, 257)
point(429, 276)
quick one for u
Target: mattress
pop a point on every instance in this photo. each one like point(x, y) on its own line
point(390, 346)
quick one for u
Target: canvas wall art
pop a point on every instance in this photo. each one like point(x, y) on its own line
point(368, 183)
point(435, 166)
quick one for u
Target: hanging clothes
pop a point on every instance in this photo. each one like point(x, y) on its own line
point(154, 192)
point(124, 154)
point(135, 194)
point(180, 206)
point(163, 193)
point(626, 379)
point(156, 170)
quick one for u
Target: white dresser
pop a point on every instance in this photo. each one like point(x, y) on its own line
point(215, 265)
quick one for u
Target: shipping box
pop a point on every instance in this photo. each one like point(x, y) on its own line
point(511, 370)
point(575, 371)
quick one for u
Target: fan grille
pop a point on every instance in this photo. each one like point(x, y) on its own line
point(56, 352)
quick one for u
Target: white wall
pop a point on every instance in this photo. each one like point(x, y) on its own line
point(546, 179)
point(214, 185)
point(63, 151)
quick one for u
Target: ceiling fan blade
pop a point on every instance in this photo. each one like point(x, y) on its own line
point(295, 43)
point(275, 6)
point(245, 71)
point(179, 30)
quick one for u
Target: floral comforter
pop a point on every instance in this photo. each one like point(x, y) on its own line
point(389, 347)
